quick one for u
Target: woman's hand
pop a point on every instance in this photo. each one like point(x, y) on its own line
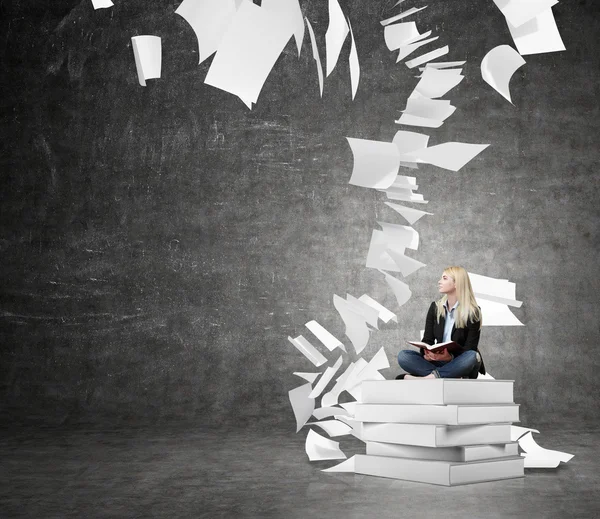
point(444, 356)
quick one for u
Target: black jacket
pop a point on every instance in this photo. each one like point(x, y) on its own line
point(467, 337)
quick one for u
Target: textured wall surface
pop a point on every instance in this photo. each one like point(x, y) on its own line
point(159, 244)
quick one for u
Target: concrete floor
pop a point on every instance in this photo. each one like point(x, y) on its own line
point(182, 471)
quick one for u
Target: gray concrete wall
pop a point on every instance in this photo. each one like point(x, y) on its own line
point(159, 244)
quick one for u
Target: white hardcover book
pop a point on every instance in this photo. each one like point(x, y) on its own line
point(437, 414)
point(462, 453)
point(446, 473)
point(429, 435)
point(439, 391)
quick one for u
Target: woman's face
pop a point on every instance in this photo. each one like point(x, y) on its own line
point(446, 284)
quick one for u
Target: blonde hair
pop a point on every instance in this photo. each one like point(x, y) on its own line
point(467, 309)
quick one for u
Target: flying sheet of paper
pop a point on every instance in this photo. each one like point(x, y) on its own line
point(414, 120)
point(335, 35)
point(379, 360)
point(315, 51)
point(457, 71)
point(326, 378)
point(399, 34)
point(406, 264)
point(248, 50)
point(405, 195)
point(485, 376)
point(442, 51)
point(498, 290)
point(328, 340)
point(529, 445)
point(302, 404)
point(400, 235)
point(344, 466)
point(411, 215)
point(352, 380)
point(320, 448)
point(377, 255)
point(326, 412)
point(498, 67)
point(400, 289)
point(209, 20)
point(356, 326)
point(407, 49)
point(368, 313)
point(289, 13)
point(376, 163)
point(393, 19)
point(449, 155)
point(436, 83)
point(439, 109)
point(333, 427)
point(147, 52)
point(384, 314)
point(407, 141)
point(405, 182)
point(354, 64)
point(310, 377)
point(538, 35)
point(398, 3)
point(308, 350)
point(516, 432)
point(101, 4)
point(496, 314)
point(331, 398)
point(445, 64)
point(355, 425)
point(517, 12)
point(369, 372)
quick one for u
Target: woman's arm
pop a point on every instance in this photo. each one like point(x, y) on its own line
point(428, 336)
point(473, 331)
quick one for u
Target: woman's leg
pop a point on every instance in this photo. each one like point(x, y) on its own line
point(458, 367)
point(412, 362)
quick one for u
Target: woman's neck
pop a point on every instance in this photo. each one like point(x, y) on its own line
point(452, 299)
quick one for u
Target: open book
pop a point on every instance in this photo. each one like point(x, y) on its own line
point(451, 346)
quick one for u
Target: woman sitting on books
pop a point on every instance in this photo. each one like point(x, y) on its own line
point(455, 317)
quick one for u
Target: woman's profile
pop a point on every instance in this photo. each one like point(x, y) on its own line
point(455, 317)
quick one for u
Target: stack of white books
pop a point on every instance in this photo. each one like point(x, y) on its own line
point(441, 431)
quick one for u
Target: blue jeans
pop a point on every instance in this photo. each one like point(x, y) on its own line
point(412, 362)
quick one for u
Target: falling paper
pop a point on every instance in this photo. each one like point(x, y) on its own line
point(248, 51)
point(355, 425)
point(209, 20)
point(404, 195)
point(326, 412)
point(496, 314)
point(311, 377)
point(335, 35)
point(449, 155)
point(350, 407)
point(356, 327)
point(436, 83)
point(442, 51)
point(517, 12)
point(496, 290)
point(369, 372)
point(368, 313)
point(331, 398)
point(308, 350)
point(325, 379)
point(147, 52)
point(406, 264)
point(354, 65)
point(435, 110)
point(407, 49)
point(320, 448)
point(411, 215)
point(329, 341)
point(400, 289)
point(393, 19)
point(290, 14)
point(498, 66)
point(302, 404)
point(376, 163)
point(409, 141)
point(333, 427)
point(516, 432)
point(399, 34)
point(316, 57)
point(377, 255)
point(380, 360)
point(445, 64)
point(384, 314)
point(533, 450)
point(101, 4)
point(400, 235)
point(457, 71)
point(344, 466)
point(538, 35)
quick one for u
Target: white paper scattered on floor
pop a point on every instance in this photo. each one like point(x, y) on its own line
point(498, 67)
point(248, 50)
point(517, 12)
point(320, 448)
point(399, 34)
point(368, 313)
point(308, 350)
point(356, 326)
point(302, 404)
point(147, 52)
point(333, 427)
point(448, 155)
point(354, 64)
point(400, 289)
point(336, 34)
point(209, 20)
point(411, 215)
point(537, 36)
point(376, 163)
point(534, 451)
point(326, 412)
point(516, 432)
point(288, 13)
point(328, 340)
point(434, 54)
point(326, 378)
point(436, 83)
point(101, 4)
point(384, 314)
point(400, 235)
point(406, 264)
point(406, 49)
point(310, 377)
point(315, 51)
point(344, 466)
point(331, 398)
point(400, 16)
